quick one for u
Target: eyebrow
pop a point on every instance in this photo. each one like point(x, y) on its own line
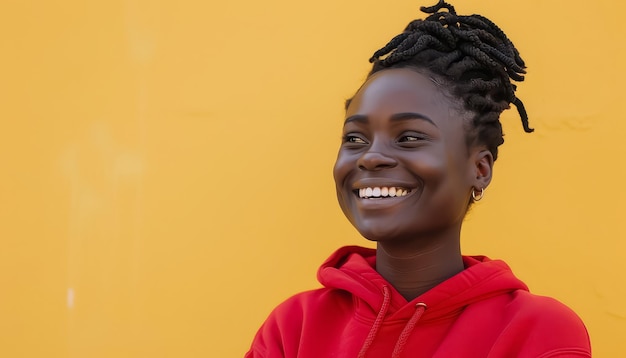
point(404, 116)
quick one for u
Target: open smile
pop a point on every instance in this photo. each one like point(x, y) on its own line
point(381, 192)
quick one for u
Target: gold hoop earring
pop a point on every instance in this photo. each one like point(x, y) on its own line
point(480, 196)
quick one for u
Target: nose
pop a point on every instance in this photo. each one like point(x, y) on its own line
point(375, 161)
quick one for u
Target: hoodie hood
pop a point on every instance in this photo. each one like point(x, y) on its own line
point(483, 311)
point(352, 269)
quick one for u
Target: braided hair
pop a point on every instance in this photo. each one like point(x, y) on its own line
point(472, 55)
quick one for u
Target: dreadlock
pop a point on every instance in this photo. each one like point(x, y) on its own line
point(472, 55)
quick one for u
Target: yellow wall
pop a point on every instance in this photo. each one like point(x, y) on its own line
point(166, 165)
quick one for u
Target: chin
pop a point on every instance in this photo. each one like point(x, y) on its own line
point(379, 233)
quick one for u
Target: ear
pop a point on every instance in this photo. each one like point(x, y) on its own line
point(483, 168)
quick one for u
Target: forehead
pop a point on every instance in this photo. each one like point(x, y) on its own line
point(401, 90)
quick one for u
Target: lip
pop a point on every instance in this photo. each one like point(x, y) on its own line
point(385, 202)
point(380, 182)
point(381, 203)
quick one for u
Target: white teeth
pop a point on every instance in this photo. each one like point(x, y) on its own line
point(378, 192)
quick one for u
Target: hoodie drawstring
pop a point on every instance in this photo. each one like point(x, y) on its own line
point(406, 332)
point(377, 323)
point(404, 336)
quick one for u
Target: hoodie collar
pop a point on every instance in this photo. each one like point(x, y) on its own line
point(352, 268)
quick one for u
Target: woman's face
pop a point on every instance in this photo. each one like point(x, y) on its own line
point(404, 169)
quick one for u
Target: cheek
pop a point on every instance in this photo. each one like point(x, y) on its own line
point(442, 179)
point(341, 169)
point(429, 167)
point(441, 163)
point(453, 187)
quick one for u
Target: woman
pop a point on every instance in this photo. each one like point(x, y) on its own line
point(419, 142)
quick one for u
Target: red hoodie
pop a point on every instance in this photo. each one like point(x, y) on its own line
point(483, 311)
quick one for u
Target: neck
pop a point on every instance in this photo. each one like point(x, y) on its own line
point(414, 269)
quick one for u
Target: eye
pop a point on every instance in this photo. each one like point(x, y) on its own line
point(412, 139)
point(353, 139)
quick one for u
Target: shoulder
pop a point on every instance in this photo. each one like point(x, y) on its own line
point(284, 327)
point(310, 302)
point(548, 325)
point(313, 304)
point(536, 308)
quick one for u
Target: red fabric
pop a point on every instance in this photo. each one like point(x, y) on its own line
point(484, 311)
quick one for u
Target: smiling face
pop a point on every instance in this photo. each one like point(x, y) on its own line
point(404, 169)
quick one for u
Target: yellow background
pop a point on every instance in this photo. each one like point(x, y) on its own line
point(166, 165)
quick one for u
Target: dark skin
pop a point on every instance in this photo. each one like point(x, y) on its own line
point(403, 131)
